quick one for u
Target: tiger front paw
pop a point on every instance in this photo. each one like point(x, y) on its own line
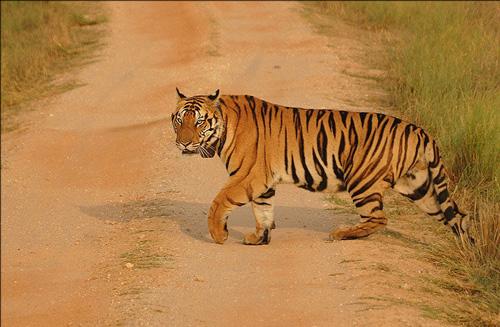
point(256, 239)
point(218, 232)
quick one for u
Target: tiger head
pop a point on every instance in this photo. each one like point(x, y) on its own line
point(198, 124)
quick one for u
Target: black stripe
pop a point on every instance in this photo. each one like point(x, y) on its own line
point(362, 116)
point(415, 155)
point(353, 142)
point(381, 135)
point(437, 158)
point(368, 183)
point(369, 127)
point(343, 116)
point(228, 160)
point(251, 101)
point(322, 144)
point(281, 121)
point(373, 135)
point(420, 192)
point(324, 178)
point(263, 113)
point(449, 213)
point(319, 114)
point(331, 123)
point(270, 118)
point(286, 150)
point(264, 107)
point(235, 203)
point(300, 142)
point(341, 145)
point(309, 114)
point(268, 194)
point(296, 118)
point(455, 229)
point(294, 172)
point(222, 142)
point(427, 140)
point(375, 163)
point(237, 106)
point(371, 198)
point(336, 170)
point(440, 176)
point(307, 174)
point(443, 196)
point(234, 171)
point(402, 150)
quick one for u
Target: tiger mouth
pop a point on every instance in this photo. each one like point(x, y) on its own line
point(202, 151)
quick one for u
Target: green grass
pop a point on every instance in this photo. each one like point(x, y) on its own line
point(442, 60)
point(39, 40)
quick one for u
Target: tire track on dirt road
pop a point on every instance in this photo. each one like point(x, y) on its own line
point(97, 183)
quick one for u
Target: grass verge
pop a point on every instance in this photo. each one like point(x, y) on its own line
point(443, 73)
point(39, 40)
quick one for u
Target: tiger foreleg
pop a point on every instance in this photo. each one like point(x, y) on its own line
point(227, 199)
point(372, 219)
point(264, 219)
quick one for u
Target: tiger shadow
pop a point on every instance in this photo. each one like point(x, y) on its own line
point(192, 217)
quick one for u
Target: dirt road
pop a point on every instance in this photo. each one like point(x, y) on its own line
point(96, 185)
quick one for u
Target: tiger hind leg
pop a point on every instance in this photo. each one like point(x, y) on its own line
point(417, 185)
point(369, 206)
point(264, 220)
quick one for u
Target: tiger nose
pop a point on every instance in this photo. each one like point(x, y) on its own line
point(185, 143)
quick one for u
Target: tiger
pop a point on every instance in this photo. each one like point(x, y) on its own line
point(263, 144)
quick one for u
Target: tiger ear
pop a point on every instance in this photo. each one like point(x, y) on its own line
point(179, 94)
point(215, 96)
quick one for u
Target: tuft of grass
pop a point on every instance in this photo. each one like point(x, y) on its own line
point(40, 39)
point(442, 60)
point(144, 256)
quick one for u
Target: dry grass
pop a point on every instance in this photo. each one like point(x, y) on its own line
point(443, 73)
point(475, 268)
point(145, 256)
point(39, 40)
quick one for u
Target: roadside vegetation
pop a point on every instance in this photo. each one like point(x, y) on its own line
point(442, 61)
point(39, 41)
